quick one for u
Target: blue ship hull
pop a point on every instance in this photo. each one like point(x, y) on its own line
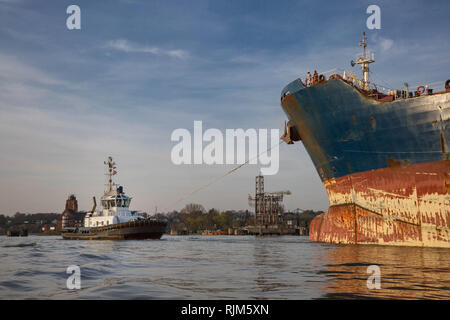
point(385, 164)
point(346, 132)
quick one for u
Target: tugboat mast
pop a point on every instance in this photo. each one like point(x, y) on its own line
point(111, 171)
point(364, 61)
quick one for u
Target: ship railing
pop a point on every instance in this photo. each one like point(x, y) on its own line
point(376, 89)
point(353, 78)
point(345, 74)
point(411, 91)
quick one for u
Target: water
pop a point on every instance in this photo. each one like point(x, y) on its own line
point(218, 267)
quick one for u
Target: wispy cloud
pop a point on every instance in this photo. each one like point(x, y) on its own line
point(11, 69)
point(381, 44)
point(127, 46)
point(386, 44)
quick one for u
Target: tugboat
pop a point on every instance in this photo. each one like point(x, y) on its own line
point(115, 221)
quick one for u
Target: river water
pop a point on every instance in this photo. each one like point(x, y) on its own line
point(218, 267)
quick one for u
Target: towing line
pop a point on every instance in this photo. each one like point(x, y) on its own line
point(220, 177)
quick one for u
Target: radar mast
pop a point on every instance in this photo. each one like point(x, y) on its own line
point(111, 167)
point(364, 61)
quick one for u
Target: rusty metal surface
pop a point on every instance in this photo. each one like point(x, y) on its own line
point(405, 205)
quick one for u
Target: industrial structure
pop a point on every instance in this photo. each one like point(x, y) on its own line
point(269, 211)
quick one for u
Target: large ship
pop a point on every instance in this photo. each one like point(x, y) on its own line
point(383, 158)
point(115, 221)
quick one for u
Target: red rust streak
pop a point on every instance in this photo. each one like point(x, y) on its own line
point(405, 205)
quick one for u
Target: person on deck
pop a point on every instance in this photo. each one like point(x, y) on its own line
point(308, 79)
point(315, 77)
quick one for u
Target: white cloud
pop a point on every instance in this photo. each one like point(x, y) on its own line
point(11, 69)
point(127, 46)
point(386, 44)
point(382, 44)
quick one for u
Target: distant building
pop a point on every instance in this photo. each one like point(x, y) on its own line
point(71, 218)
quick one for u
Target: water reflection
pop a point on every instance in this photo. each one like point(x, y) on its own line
point(406, 272)
point(268, 262)
point(285, 268)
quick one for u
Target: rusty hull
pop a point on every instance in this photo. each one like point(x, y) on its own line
point(407, 205)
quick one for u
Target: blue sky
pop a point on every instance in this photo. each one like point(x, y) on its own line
point(137, 70)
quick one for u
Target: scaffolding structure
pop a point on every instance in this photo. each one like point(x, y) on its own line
point(268, 205)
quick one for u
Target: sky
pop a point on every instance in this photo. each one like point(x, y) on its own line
point(138, 70)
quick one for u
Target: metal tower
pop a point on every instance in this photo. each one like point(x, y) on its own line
point(268, 205)
point(364, 60)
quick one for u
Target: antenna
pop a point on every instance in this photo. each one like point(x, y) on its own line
point(364, 61)
point(111, 167)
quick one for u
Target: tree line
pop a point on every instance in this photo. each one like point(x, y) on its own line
point(193, 218)
point(33, 222)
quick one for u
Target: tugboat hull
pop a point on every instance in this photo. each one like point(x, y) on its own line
point(133, 230)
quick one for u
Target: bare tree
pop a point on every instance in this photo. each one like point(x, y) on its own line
point(193, 209)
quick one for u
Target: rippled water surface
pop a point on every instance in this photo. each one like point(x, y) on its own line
point(218, 267)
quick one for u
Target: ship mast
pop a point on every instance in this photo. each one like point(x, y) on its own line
point(364, 61)
point(111, 171)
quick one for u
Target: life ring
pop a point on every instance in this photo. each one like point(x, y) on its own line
point(420, 90)
point(321, 78)
point(447, 84)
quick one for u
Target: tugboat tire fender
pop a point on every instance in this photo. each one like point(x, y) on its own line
point(447, 84)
